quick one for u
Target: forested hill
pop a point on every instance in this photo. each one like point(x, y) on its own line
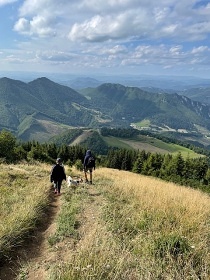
point(42, 108)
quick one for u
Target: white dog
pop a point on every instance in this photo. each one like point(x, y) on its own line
point(73, 182)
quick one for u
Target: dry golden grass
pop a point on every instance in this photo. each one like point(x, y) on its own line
point(188, 207)
point(145, 229)
point(168, 224)
point(130, 227)
point(23, 194)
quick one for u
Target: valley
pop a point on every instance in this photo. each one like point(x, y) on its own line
point(44, 109)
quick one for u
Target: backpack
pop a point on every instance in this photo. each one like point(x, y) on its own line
point(91, 162)
point(58, 173)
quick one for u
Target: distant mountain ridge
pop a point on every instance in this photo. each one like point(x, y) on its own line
point(42, 108)
point(131, 104)
point(174, 83)
point(25, 104)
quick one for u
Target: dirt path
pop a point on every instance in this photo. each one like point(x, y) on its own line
point(38, 264)
point(34, 248)
point(36, 257)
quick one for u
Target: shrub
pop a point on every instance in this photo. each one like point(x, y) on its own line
point(172, 245)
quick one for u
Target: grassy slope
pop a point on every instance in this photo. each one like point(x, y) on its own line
point(126, 226)
point(23, 194)
point(141, 142)
point(150, 145)
point(143, 228)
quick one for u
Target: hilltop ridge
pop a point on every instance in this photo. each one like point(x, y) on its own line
point(123, 226)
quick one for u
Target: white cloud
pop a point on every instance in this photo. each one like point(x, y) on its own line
point(104, 28)
point(175, 50)
point(6, 2)
point(200, 50)
point(14, 60)
point(99, 20)
point(118, 49)
point(98, 33)
point(170, 29)
point(37, 26)
point(22, 25)
point(160, 14)
point(55, 56)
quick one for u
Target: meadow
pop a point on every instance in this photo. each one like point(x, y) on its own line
point(124, 227)
point(150, 144)
point(24, 194)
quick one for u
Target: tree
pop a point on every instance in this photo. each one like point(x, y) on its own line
point(200, 169)
point(137, 167)
point(179, 164)
point(7, 146)
point(165, 170)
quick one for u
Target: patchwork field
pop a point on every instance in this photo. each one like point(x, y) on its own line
point(149, 144)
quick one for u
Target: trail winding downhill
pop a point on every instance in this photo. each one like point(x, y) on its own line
point(35, 257)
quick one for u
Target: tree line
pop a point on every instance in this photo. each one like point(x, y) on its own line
point(13, 151)
point(194, 172)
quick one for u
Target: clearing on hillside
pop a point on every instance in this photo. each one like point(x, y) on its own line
point(82, 137)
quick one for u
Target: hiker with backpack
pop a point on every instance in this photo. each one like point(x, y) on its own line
point(57, 176)
point(89, 165)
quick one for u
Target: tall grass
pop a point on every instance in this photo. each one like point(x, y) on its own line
point(23, 195)
point(164, 225)
point(143, 228)
point(147, 229)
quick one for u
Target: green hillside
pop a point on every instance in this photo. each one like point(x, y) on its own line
point(150, 145)
point(30, 109)
point(95, 140)
point(132, 104)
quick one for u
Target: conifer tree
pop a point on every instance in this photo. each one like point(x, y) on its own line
point(137, 167)
point(7, 145)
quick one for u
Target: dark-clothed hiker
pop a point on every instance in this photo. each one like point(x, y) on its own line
point(57, 175)
point(88, 165)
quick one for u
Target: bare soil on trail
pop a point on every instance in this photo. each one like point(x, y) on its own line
point(34, 247)
point(35, 257)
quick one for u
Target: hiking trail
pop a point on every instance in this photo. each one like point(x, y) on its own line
point(33, 260)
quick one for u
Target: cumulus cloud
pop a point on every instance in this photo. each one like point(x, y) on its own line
point(116, 32)
point(99, 20)
point(104, 28)
point(36, 26)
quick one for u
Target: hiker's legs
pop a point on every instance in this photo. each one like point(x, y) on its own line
point(86, 178)
point(55, 187)
point(59, 186)
point(91, 176)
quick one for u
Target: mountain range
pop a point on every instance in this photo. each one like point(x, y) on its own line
point(42, 108)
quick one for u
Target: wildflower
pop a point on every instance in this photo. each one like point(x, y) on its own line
point(89, 266)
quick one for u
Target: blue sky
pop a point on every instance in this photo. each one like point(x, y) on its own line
point(167, 37)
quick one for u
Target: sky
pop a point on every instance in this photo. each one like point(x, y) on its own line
point(117, 37)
